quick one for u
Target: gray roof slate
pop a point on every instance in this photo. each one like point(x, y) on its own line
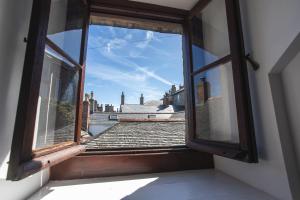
point(140, 134)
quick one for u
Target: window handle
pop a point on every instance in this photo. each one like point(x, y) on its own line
point(254, 64)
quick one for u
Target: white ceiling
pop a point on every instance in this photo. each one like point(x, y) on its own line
point(181, 4)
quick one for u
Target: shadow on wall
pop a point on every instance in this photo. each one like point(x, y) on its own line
point(285, 80)
point(253, 84)
point(12, 52)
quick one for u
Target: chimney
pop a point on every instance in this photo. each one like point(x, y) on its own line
point(173, 89)
point(92, 103)
point(86, 97)
point(122, 98)
point(203, 90)
point(166, 99)
point(142, 100)
point(86, 113)
point(92, 95)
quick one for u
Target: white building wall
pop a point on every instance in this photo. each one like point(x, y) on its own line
point(269, 27)
point(14, 23)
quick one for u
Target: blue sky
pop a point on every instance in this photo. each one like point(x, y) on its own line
point(134, 61)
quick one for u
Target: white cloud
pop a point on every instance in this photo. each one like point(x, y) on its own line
point(149, 35)
point(155, 76)
point(134, 81)
point(148, 38)
point(128, 37)
point(122, 70)
point(115, 44)
point(108, 47)
point(159, 51)
point(110, 73)
point(135, 54)
point(123, 61)
point(131, 51)
point(90, 84)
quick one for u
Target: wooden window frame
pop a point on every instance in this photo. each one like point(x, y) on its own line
point(25, 161)
point(245, 150)
point(137, 10)
point(92, 164)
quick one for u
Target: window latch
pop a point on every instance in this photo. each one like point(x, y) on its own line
point(254, 64)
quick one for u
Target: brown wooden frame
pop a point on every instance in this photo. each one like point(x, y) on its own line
point(245, 150)
point(138, 10)
point(56, 48)
point(82, 61)
point(25, 161)
point(115, 163)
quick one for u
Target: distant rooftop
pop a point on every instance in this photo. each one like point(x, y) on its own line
point(141, 134)
point(177, 91)
point(137, 108)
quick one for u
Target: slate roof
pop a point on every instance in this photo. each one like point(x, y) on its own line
point(140, 134)
point(178, 91)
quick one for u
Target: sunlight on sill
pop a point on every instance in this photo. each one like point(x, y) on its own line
point(86, 186)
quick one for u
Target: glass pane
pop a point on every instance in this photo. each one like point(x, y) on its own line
point(65, 25)
point(210, 34)
point(55, 119)
point(134, 92)
point(215, 107)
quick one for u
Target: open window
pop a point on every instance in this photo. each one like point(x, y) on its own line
point(47, 127)
point(134, 92)
point(220, 119)
point(49, 114)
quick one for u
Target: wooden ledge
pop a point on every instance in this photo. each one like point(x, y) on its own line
point(90, 166)
point(36, 164)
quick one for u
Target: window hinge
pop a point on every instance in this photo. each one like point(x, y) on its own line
point(254, 64)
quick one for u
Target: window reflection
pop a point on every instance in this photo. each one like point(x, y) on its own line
point(55, 119)
point(210, 34)
point(65, 25)
point(215, 109)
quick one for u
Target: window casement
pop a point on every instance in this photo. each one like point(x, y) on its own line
point(219, 114)
point(48, 122)
point(47, 127)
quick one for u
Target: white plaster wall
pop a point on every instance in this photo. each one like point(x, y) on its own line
point(291, 82)
point(269, 27)
point(14, 23)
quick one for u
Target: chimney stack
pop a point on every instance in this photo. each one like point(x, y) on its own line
point(92, 95)
point(92, 103)
point(173, 89)
point(142, 100)
point(122, 98)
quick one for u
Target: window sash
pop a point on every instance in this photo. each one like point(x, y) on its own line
point(245, 150)
point(24, 160)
